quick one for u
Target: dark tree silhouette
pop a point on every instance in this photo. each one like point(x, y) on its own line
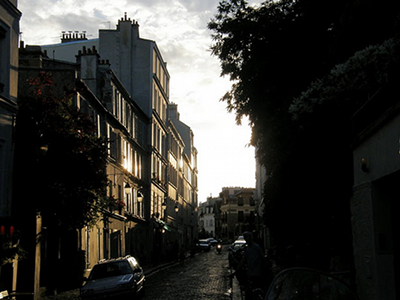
point(66, 183)
point(277, 55)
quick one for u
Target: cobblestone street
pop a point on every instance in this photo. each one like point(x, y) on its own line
point(203, 277)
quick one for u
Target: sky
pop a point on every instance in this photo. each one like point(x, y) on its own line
point(179, 27)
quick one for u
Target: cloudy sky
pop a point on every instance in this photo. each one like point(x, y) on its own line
point(179, 28)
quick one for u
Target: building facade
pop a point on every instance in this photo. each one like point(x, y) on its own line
point(207, 214)
point(237, 211)
point(123, 228)
point(376, 165)
point(9, 34)
point(185, 195)
point(169, 197)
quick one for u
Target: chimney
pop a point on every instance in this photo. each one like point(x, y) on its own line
point(89, 64)
point(72, 37)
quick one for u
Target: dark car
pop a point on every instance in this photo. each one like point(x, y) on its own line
point(235, 253)
point(212, 241)
point(203, 245)
point(114, 279)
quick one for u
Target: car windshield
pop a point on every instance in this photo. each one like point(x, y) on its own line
point(238, 245)
point(110, 269)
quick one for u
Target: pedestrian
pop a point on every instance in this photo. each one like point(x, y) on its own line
point(254, 263)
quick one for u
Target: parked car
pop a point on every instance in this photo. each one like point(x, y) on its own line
point(203, 245)
point(236, 252)
point(115, 278)
point(212, 241)
point(238, 244)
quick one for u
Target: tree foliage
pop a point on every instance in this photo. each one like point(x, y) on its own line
point(67, 180)
point(277, 56)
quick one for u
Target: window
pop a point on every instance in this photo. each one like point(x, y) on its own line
point(240, 201)
point(113, 143)
point(4, 58)
point(129, 207)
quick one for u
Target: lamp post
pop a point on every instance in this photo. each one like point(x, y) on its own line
point(140, 197)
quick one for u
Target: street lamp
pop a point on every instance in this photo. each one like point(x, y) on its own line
point(176, 208)
point(139, 196)
point(127, 188)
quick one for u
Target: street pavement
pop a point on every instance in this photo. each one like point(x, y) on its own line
point(204, 276)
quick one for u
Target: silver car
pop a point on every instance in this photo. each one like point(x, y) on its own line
point(116, 278)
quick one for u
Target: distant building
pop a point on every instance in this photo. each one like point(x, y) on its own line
point(237, 211)
point(210, 218)
point(207, 218)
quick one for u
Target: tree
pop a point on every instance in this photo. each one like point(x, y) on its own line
point(273, 53)
point(67, 181)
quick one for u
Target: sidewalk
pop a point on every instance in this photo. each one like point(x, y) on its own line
point(235, 293)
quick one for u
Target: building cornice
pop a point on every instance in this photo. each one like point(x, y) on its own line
point(12, 9)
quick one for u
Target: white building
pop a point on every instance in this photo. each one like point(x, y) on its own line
point(207, 218)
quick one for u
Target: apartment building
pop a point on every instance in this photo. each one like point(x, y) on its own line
point(139, 65)
point(122, 229)
point(142, 71)
point(207, 218)
point(237, 211)
point(185, 195)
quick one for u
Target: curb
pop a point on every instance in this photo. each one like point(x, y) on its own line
point(236, 293)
